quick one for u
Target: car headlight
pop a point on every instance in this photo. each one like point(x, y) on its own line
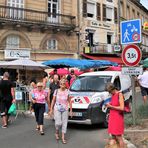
point(96, 100)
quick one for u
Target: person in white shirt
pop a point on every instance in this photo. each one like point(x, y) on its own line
point(143, 81)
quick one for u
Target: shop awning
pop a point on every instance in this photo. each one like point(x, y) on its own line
point(112, 59)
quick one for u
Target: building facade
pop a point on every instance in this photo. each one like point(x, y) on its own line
point(100, 27)
point(45, 28)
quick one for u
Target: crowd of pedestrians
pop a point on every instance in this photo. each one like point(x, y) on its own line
point(52, 95)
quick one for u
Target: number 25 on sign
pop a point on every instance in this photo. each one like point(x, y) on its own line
point(131, 55)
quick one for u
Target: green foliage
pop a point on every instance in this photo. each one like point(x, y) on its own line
point(129, 120)
point(142, 111)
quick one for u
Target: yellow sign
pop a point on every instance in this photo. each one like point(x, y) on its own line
point(87, 49)
point(145, 26)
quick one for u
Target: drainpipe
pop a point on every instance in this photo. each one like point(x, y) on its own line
point(78, 26)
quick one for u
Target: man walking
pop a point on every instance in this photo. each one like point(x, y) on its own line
point(143, 81)
point(6, 99)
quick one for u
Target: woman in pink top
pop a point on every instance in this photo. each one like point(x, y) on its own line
point(39, 98)
point(116, 116)
point(60, 103)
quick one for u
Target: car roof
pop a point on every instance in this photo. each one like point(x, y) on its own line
point(106, 73)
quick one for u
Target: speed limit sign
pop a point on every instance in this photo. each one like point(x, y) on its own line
point(131, 55)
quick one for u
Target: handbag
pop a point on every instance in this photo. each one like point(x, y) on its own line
point(127, 108)
point(12, 109)
point(60, 107)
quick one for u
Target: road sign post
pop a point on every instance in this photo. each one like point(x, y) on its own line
point(131, 56)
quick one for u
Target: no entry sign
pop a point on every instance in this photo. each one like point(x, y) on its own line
point(131, 55)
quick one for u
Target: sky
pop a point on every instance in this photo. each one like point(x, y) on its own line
point(145, 3)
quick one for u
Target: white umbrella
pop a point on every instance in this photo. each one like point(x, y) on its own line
point(25, 64)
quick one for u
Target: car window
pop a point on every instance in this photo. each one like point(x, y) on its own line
point(90, 83)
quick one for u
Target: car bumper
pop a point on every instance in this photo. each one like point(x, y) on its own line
point(92, 115)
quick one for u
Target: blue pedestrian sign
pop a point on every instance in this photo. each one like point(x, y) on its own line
point(130, 31)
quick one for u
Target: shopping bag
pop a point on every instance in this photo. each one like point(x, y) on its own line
point(12, 109)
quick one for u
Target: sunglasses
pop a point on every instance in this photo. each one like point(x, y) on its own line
point(62, 84)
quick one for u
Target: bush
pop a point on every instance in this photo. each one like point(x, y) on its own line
point(129, 120)
point(142, 111)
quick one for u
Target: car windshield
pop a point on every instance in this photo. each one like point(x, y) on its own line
point(90, 83)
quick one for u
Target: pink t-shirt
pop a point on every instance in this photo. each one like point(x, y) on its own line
point(39, 96)
point(61, 98)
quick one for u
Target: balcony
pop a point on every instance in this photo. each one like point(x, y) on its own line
point(100, 49)
point(32, 18)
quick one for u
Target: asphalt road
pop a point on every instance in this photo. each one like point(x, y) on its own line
point(21, 134)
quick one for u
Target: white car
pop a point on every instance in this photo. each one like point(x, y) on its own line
point(88, 95)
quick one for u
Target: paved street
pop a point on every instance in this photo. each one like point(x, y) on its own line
point(21, 134)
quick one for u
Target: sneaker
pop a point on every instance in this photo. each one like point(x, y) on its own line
point(4, 126)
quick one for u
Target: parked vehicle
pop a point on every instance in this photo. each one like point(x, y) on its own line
point(88, 95)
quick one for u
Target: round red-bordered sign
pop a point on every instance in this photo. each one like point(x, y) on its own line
point(136, 36)
point(131, 55)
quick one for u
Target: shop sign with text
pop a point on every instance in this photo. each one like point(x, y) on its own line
point(17, 54)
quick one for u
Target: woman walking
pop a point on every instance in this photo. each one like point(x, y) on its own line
point(116, 116)
point(39, 98)
point(60, 103)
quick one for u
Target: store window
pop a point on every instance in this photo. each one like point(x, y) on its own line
point(14, 13)
point(52, 44)
point(109, 14)
point(91, 10)
point(12, 42)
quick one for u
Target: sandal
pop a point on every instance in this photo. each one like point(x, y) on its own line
point(37, 128)
point(64, 141)
point(57, 136)
point(42, 133)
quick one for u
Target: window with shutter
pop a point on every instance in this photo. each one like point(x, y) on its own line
point(104, 12)
point(90, 10)
point(52, 44)
point(109, 14)
point(84, 8)
point(98, 12)
point(12, 42)
point(115, 15)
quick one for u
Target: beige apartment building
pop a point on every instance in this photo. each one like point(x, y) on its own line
point(99, 29)
point(100, 19)
point(38, 29)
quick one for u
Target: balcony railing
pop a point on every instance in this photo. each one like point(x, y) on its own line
point(28, 16)
point(101, 48)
